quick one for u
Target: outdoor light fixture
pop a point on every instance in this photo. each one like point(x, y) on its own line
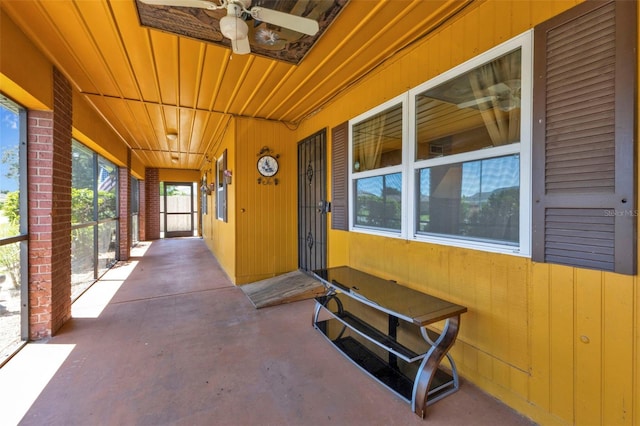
point(233, 28)
point(174, 159)
point(172, 136)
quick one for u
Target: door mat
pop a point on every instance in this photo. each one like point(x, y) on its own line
point(285, 288)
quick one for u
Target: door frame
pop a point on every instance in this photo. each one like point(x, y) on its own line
point(173, 234)
point(312, 243)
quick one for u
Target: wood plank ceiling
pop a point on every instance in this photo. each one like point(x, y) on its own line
point(148, 83)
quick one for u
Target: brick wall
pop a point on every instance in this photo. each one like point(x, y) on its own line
point(152, 204)
point(124, 207)
point(49, 203)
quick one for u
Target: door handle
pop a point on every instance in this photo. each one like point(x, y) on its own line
point(324, 206)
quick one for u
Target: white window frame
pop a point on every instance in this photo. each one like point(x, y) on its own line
point(409, 165)
point(400, 168)
point(221, 190)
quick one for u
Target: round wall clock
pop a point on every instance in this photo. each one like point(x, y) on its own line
point(267, 165)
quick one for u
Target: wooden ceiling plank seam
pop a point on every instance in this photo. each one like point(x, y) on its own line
point(106, 40)
point(116, 117)
point(136, 42)
point(319, 67)
point(187, 118)
point(356, 54)
point(108, 122)
point(98, 52)
point(200, 75)
point(62, 40)
point(53, 59)
point(204, 129)
point(218, 135)
point(276, 88)
point(442, 14)
point(140, 115)
point(157, 79)
point(257, 87)
point(124, 51)
point(239, 82)
point(219, 80)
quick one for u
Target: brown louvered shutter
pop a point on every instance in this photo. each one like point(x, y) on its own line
point(584, 207)
point(339, 176)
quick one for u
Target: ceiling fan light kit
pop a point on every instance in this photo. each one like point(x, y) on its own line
point(233, 25)
point(233, 28)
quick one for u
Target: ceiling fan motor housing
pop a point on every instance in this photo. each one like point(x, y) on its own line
point(231, 26)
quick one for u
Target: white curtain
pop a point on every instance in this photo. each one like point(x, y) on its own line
point(369, 145)
point(500, 81)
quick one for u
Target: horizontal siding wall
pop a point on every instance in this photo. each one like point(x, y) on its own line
point(559, 344)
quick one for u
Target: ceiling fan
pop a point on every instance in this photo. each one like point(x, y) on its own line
point(233, 25)
point(505, 96)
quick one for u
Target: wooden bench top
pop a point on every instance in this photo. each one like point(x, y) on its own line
point(395, 299)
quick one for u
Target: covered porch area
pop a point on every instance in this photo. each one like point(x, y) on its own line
point(166, 338)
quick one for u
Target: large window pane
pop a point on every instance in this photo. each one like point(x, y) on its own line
point(13, 235)
point(379, 201)
point(83, 182)
point(377, 141)
point(135, 210)
point(476, 199)
point(94, 216)
point(476, 110)
point(107, 243)
point(107, 186)
point(83, 265)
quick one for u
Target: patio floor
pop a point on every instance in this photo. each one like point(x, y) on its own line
point(167, 339)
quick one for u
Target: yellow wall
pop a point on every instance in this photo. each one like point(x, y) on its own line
point(262, 217)
point(178, 175)
point(32, 89)
point(220, 236)
point(91, 130)
point(137, 167)
point(266, 214)
point(559, 344)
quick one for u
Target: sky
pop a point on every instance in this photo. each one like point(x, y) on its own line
point(8, 139)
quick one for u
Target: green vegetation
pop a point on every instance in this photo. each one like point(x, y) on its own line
point(10, 253)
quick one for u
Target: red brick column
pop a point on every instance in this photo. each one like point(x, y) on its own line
point(152, 203)
point(49, 200)
point(124, 214)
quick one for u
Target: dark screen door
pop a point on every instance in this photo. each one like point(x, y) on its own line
point(312, 204)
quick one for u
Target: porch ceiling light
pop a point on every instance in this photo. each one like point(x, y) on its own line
point(172, 136)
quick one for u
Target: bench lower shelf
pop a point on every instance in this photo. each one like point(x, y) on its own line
point(384, 371)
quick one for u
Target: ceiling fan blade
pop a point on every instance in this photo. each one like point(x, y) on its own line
point(202, 4)
point(475, 102)
point(241, 47)
point(293, 22)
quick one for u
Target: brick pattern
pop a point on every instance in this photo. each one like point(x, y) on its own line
point(152, 203)
point(124, 207)
point(49, 203)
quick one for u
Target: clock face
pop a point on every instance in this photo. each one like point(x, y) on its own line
point(267, 165)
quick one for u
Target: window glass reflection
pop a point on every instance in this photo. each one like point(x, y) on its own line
point(379, 202)
point(377, 141)
point(477, 199)
point(478, 109)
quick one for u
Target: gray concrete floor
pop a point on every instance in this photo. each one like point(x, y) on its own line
point(167, 339)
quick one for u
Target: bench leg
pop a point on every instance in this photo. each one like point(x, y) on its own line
point(430, 364)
